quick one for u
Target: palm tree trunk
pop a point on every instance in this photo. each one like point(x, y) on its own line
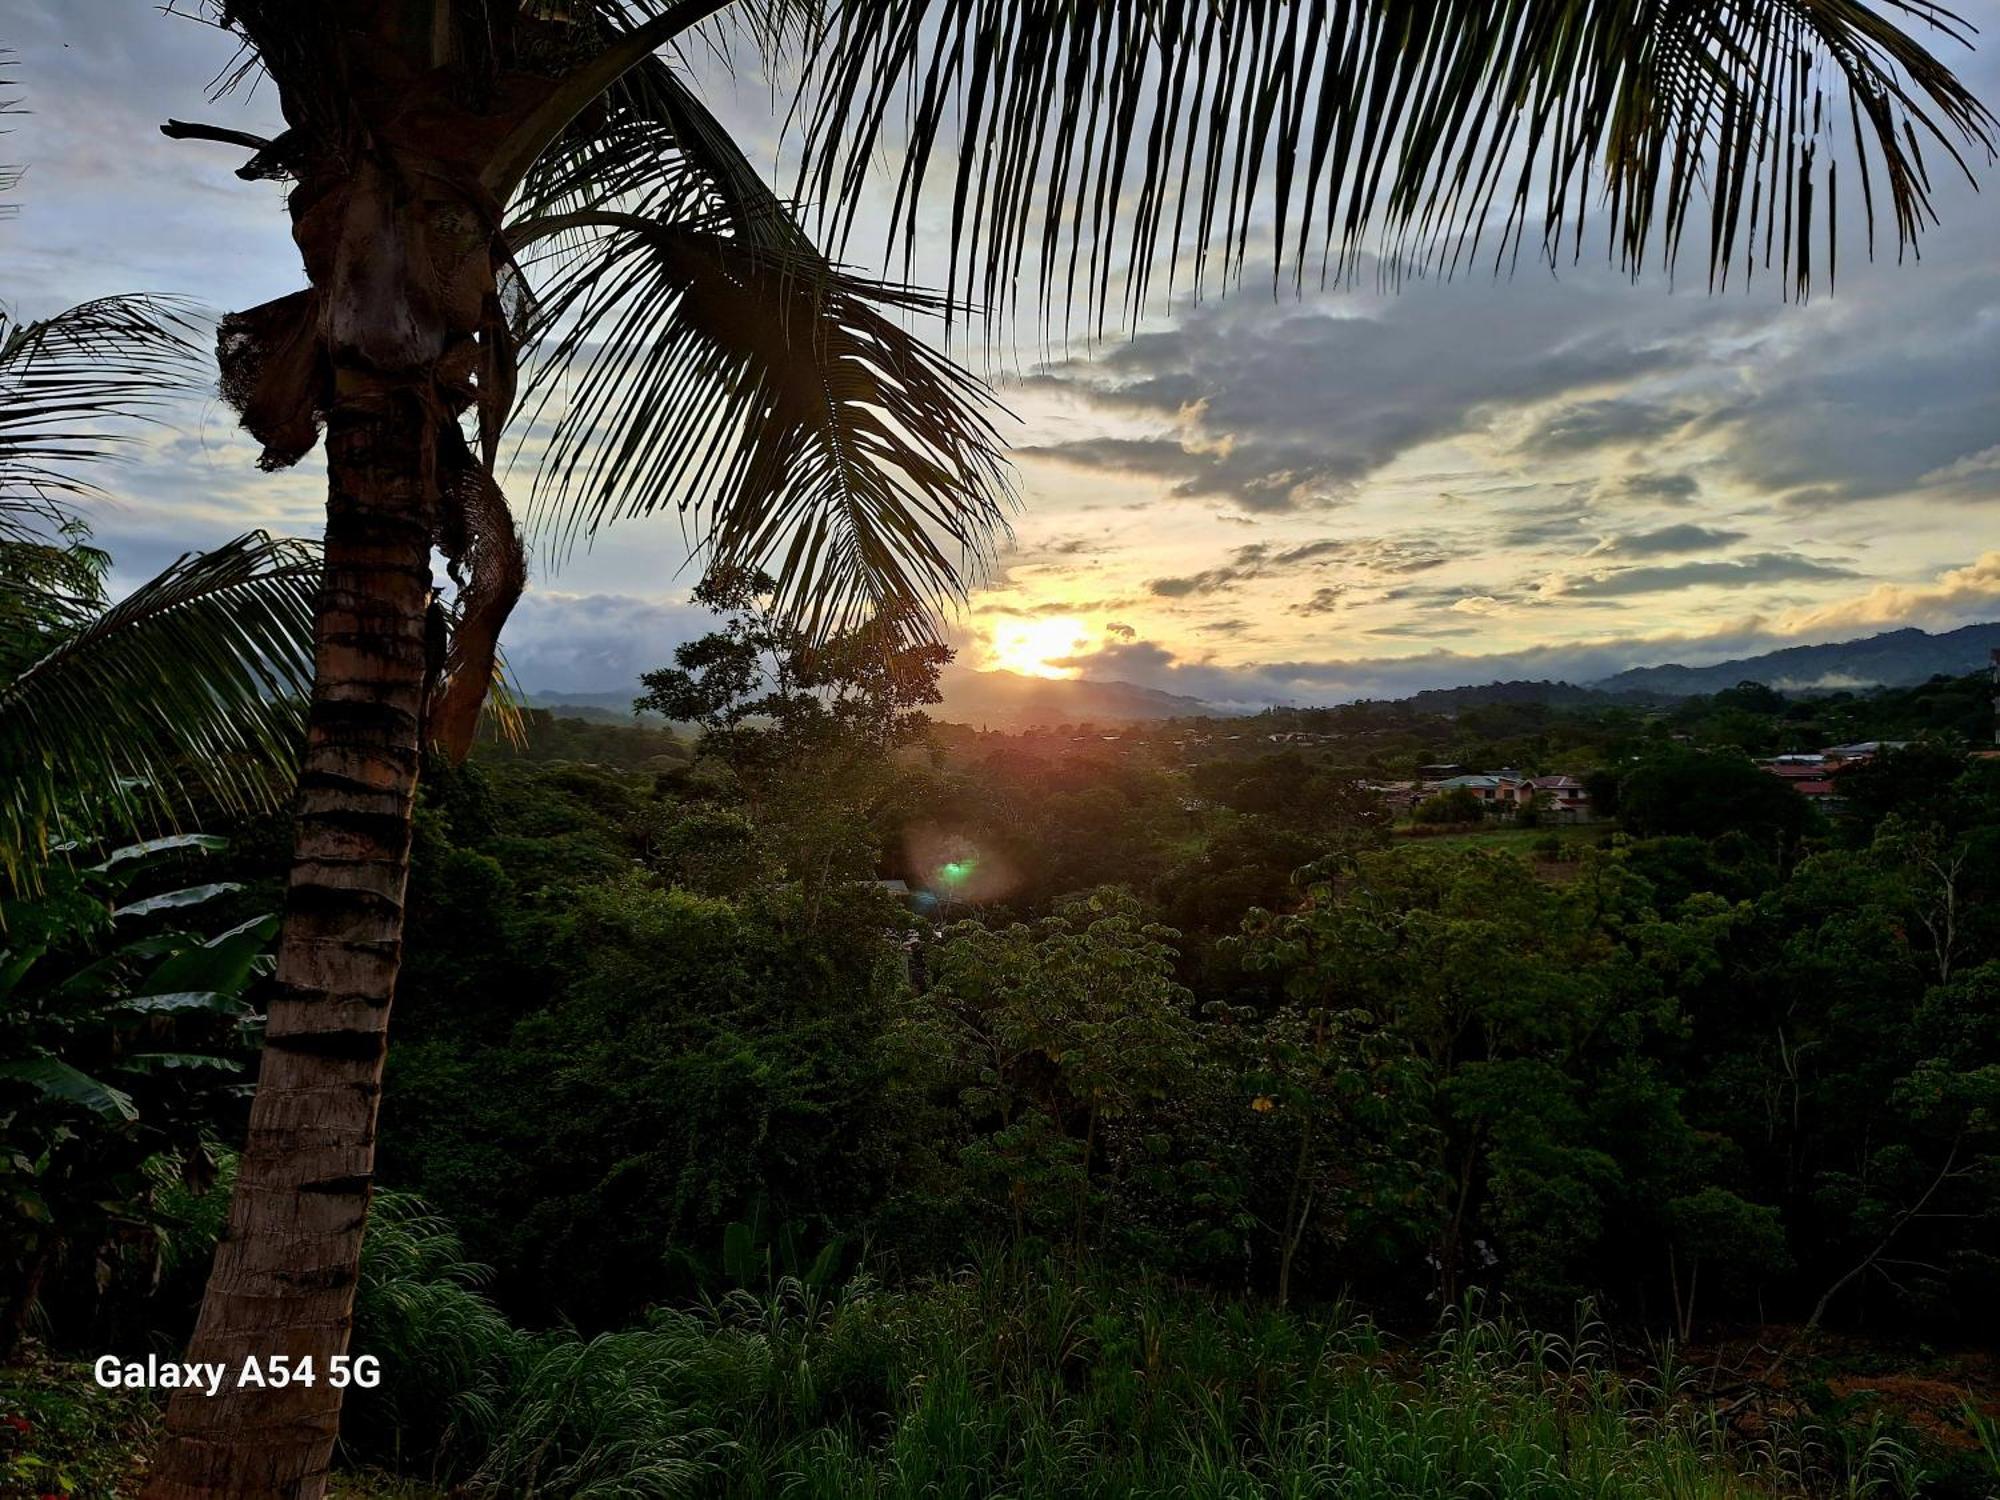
point(285, 1271)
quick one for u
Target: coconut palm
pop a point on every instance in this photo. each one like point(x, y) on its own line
point(195, 680)
point(525, 204)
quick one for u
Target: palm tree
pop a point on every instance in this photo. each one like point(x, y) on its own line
point(497, 195)
point(194, 681)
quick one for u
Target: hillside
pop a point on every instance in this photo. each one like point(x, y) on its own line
point(1895, 658)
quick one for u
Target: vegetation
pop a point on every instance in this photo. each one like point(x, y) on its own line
point(703, 971)
point(1073, 1172)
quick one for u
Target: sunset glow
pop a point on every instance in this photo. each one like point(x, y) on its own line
point(1033, 647)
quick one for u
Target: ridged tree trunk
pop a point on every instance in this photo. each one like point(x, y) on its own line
point(284, 1276)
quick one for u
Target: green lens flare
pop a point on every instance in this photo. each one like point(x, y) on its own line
point(956, 871)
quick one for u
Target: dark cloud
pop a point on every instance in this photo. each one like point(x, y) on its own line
point(1667, 541)
point(1322, 601)
point(1890, 389)
point(1051, 607)
point(595, 642)
point(1882, 395)
point(1565, 525)
point(1614, 423)
point(1269, 478)
point(1740, 572)
point(1661, 489)
point(1208, 581)
point(1376, 555)
point(1424, 629)
point(1288, 408)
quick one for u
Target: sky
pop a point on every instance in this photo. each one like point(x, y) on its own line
point(1253, 499)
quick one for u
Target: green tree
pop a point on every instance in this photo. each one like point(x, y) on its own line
point(1707, 795)
point(1459, 804)
point(1521, 1007)
point(1061, 1032)
point(807, 731)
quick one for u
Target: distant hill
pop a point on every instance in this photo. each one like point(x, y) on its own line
point(1555, 694)
point(1011, 701)
point(1895, 658)
point(1008, 700)
point(593, 708)
point(996, 700)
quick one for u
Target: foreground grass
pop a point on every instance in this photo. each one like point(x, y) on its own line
point(1012, 1379)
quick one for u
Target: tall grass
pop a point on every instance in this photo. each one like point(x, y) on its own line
point(1015, 1379)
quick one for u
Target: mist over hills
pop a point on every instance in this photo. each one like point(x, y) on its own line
point(1895, 658)
point(1010, 700)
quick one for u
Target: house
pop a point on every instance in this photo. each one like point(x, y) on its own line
point(1485, 788)
point(1862, 750)
point(1566, 797)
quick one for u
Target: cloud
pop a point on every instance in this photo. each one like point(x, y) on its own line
point(1736, 573)
point(1260, 478)
point(1617, 422)
point(1668, 540)
point(1322, 601)
point(1659, 488)
point(1288, 408)
point(597, 643)
point(1208, 581)
point(1981, 469)
point(1959, 596)
point(1366, 555)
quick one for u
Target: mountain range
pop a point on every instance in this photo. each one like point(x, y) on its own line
point(1895, 658)
point(1009, 700)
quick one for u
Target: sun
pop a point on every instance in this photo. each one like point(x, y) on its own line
point(1033, 647)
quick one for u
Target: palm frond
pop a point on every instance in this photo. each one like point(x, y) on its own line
point(1096, 138)
point(698, 352)
point(67, 381)
point(194, 681)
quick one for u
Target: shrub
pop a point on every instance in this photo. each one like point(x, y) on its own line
point(1458, 805)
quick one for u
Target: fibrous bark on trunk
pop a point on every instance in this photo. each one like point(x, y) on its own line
point(284, 1278)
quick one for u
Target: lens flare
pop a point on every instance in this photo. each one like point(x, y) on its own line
point(954, 868)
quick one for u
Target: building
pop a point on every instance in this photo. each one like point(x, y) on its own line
point(1859, 752)
point(1485, 788)
point(1566, 797)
